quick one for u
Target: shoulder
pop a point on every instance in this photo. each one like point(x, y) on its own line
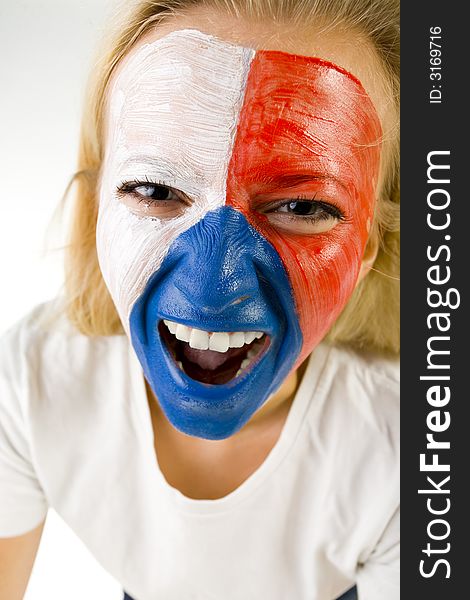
point(60, 390)
point(45, 322)
point(354, 409)
point(19, 342)
point(362, 385)
point(43, 351)
point(353, 435)
point(378, 366)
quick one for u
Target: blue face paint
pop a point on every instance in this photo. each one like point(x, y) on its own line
point(219, 275)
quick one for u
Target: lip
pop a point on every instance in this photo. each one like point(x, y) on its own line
point(177, 372)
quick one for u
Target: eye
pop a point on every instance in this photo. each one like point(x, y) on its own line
point(153, 199)
point(304, 215)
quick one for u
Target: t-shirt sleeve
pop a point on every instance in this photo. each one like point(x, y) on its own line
point(379, 576)
point(22, 501)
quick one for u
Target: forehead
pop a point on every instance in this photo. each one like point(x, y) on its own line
point(178, 100)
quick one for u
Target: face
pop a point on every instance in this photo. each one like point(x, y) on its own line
point(236, 197)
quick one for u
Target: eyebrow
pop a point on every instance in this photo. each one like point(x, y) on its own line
point(280, 180)
point(295, 179)
point(290, 180)
point(141, 159)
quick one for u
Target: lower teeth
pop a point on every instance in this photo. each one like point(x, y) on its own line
point(244, 365)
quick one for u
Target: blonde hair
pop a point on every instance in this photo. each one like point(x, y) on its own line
point(371, 317)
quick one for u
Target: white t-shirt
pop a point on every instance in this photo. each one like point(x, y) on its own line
point(319, 515)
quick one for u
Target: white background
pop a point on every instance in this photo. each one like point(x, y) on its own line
point(46, 50)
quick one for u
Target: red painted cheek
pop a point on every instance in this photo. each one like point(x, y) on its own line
point(308, 118)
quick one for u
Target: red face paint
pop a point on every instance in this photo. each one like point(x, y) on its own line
point(308, 127)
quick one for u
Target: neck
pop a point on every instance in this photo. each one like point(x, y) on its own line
point(210, 469)
point(276, 406)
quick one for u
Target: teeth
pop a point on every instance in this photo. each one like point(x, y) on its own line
point(243, 366)
point(220, 341)
point(237, 339)
point(182, 332)
point(171, 326)
point(250, 336)
point(199, 339)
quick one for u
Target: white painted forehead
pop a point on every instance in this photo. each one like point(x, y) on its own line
point(176, 59)
point(183, 40)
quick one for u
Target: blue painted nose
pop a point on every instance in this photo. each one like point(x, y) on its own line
point(218, 262)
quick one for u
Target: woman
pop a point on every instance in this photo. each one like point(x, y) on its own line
point(236, 204)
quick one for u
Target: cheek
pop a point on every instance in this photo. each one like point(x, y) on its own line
point(130, 249)
point(323, 273)
point(322, 270)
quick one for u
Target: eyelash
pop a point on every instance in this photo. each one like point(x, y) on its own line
point(330, 209)
point(128, 187)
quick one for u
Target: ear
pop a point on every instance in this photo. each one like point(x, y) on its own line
point(370, 254)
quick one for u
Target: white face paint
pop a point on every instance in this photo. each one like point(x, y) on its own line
point(173, 111)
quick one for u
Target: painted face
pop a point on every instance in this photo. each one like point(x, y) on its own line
point(236, 196)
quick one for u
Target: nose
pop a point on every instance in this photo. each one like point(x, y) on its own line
point(217, 261)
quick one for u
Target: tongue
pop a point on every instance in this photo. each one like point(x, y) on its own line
point(210, 359)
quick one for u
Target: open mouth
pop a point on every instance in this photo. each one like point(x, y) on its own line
point(212, 357)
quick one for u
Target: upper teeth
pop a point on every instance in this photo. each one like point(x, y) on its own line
point(220, 341)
